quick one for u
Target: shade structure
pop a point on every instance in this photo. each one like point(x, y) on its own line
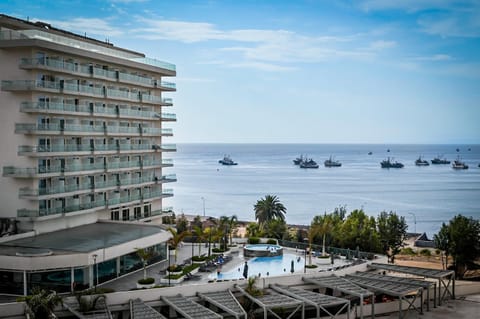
point(188, 308)
point(139, 310)
point(226, 301)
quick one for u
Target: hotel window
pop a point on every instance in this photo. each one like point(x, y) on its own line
point(115, 215)
point(146, 210)
point(137, 212)
point(125, 214)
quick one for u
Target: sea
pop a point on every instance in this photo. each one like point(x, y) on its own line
point(426, 196)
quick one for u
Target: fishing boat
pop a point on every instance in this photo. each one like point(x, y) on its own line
point(332, 163)
point(458, 164)
point(421, 162)
point(370, 153)
point(438, 160)
point(298, 160)
point(226, 160)
point(390, 164)
point(308, 163)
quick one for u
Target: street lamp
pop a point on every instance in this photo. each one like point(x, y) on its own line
point(305, 262)
point(414, 221)
point(169, 274)
point(203, 199)
point(95, 268)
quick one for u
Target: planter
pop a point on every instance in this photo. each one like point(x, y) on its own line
point(172, 281)
point(199, 262)
point(174, 272)
point(323, 261)
point(140, 286)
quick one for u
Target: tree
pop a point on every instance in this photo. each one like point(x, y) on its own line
point(253, 230)
point(268, 209)
point(464, 242)
point(200, 235)
point(359, 230)
point(324, 225)
point(442, 242)
point(392, 231)
point(182, 224)
point(232, 224)
point(41, 303)
point(276, 229)
point(176, 239)
point(145, 255)
point(312, 232)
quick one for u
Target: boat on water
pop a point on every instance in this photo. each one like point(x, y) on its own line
point(458, 164)
point(308, 163)
point(390, 163)
point(370, 153)
point(421, 162)
point(332, 163)
point(299, 160)
point(226, 160)
point(438, 160)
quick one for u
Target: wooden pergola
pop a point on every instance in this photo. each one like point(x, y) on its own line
point(226, 301)
point(444, 277)
point(320, 301)
point(345, 286)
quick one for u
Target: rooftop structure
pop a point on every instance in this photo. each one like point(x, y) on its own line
point(82, 134)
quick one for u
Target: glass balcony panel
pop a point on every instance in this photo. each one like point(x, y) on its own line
point(169, 85)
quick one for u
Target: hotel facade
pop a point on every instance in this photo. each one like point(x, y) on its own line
point(82, 156)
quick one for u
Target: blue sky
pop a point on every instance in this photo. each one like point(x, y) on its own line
point(367, 71)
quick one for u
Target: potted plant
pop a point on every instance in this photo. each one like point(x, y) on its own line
point(145, 255)
point(41, 303)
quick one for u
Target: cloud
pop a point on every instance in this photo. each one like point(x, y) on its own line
point(464, 24)
point(382, 44)
point(90, 26)
point(410, 6)
point(262, 66)
point(435, 58)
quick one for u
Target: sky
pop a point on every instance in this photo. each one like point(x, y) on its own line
point(311, 71)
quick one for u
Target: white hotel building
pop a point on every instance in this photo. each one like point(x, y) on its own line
point(82, 157)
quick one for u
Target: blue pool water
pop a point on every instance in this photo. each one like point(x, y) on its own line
point(262, 247)
point(275, 266)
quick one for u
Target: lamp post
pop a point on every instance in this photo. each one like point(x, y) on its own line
point(191, 232)
point(168, 250)
point(305, 262)
point(95, 269)
point(414, 222)
point(203, 199)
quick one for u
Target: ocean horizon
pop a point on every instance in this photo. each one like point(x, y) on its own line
point(425, 196)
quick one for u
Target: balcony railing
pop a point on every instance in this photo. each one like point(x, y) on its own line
point(23, 149)
point(71, 42)
point(80, 89)
point(61, 210)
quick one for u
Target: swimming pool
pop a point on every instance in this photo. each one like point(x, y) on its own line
point(264, 266)
point(262, 250)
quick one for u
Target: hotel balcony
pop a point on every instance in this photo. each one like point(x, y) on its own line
point(51, 129)
point(39, 36)
point(63, 87)
point(97, 111)
point(84, 208)
point(146, 195)
point(83, 169)
point(85, 150)
point(87, 71)
point(97, 186)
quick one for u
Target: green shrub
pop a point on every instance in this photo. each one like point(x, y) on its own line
point(311, 266)
point(189, 268)
point(408, 251)
point(437, 251)
point(146, 281)
point(271, 241)
point(199, 258)
point(174, 277)
point(175, 268)
point(425, 252)
point(324, 257)
point(218, 250)
point(254, 240)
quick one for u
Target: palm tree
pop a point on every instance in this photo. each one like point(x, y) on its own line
point(176, 239)
point(145, 255)
point(268, 209)
point(253, 230)
point(325, 227)
point(232, 223)
point(199, 236)
point(41, 303)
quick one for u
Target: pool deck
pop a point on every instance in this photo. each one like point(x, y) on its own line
point(129, 281)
